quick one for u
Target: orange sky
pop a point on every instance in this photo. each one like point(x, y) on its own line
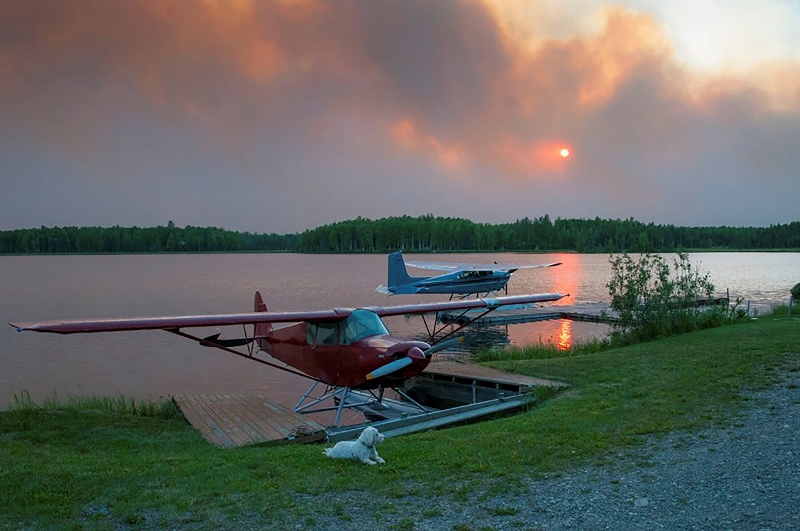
point(280, 116)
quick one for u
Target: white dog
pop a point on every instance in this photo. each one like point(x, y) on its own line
point(362, 448)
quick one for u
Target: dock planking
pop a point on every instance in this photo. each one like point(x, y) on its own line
point(230, 421)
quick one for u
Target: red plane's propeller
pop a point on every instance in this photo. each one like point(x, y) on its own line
point(413, 353)
point(396, 365)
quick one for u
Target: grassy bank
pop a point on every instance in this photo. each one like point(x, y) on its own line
point(94, 468)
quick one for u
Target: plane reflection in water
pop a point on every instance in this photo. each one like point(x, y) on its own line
point(558, 333)
point(480, 336)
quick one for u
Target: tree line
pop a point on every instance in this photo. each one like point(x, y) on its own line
point(423, 234)
point(160, 239)
point(429, 233)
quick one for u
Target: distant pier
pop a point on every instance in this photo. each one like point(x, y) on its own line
point(600, 313)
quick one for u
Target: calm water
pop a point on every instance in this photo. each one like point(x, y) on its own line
point(152, 364)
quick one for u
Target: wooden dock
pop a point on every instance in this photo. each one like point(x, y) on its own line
point(467, 392)
point(229, 421)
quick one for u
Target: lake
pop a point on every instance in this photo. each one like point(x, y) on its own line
point(155, 363)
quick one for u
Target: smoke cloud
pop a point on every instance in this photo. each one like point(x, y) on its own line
point(277, 116)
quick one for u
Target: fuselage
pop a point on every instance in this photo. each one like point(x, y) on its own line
point(342, 353)
point(461, 282)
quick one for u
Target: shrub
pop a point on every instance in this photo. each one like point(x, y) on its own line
point(652, 299)
point(796, 292)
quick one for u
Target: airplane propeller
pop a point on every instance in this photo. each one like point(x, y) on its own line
point(393, 366)
point(413, 353)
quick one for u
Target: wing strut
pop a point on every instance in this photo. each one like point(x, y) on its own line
point(456, 325)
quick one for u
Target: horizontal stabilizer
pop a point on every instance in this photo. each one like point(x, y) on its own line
point(383, 289)
point(215, 341)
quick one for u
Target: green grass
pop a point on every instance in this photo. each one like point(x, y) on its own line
point(541, 350)
point(119, 404)
point(113, 463)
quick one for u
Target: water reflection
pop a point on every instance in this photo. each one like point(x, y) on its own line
point(153, 364)
point(482, 336)
point(565, 337)
point(561, 333)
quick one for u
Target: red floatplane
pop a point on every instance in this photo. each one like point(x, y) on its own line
point(348, 350)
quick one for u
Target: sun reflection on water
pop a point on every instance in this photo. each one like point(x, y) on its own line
point(565, 337)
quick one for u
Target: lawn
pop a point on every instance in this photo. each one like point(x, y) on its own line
point(92, 467)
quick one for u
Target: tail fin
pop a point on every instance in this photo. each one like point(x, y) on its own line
point(400, 282)
point(261, 330)
point(398, 274)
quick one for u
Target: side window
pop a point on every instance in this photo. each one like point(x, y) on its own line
point(350, 332)
point(321, 334)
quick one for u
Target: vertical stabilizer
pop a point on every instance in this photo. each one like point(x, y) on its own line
point(398, 274)
point(258, 305)
point(261, 330)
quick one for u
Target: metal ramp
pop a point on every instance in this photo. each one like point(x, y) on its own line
point(479, 392)
point(435, 419)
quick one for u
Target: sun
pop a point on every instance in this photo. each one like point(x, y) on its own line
point(564, 152)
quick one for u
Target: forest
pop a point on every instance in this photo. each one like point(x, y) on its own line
point(429, 233)
point(161, 239)
point(414, 234)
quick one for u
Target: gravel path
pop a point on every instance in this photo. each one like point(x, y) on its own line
point(743, 477)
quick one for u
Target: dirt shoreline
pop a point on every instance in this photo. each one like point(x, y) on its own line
point(740, 477)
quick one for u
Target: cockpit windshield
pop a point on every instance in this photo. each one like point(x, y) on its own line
point(360, 324)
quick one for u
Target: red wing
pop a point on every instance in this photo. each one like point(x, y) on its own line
point(189, 321)
point(179, 321)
